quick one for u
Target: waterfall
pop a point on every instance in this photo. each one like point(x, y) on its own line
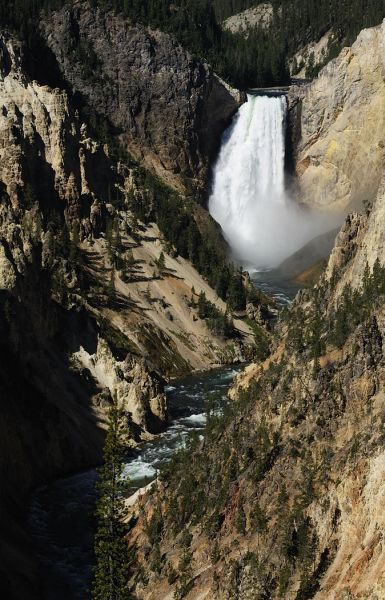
point(260, 222)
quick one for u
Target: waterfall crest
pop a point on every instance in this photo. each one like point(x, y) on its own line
point(260, 222)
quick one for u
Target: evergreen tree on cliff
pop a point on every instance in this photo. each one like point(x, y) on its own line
point(111, 573)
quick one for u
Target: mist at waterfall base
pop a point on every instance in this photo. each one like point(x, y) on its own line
point(260, 221)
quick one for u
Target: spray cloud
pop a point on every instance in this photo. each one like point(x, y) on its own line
point(259, 220)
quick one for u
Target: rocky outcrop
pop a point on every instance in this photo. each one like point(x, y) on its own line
point(259, 16)
point(359, 245)
point(138, 391)
point(315, 251)
point(340, 126)
point(47, 164)
point(313, 55)
point(46, 154)
point(168, 108)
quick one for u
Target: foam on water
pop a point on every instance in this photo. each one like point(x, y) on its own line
point(197, 419)
point(139, 469)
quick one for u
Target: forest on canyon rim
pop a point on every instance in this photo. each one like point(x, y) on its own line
point(259, 60)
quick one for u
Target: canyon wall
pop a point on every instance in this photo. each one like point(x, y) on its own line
point(84, 312)
point(339, 126)
point(167, 107)
point(52, 410)
point(282, 499)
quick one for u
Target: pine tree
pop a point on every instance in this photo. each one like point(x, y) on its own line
point(111, 573)
point(130, 260)
point(161, 263)
point(192, 299)
point(202, 306)
point(51, 247)
point(74, 254)
point(240, 521)
point(117, 244)
point(185, 582)
point(236, 296)
point(111, 289)
point(147, 293)
point(128, 265)
point(134, 226)
point(378, 277)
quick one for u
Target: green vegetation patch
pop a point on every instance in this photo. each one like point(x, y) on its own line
point(259, 60)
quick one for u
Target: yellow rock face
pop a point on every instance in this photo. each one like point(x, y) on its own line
point(340, 156)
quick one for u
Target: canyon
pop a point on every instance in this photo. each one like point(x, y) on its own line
point(115, 280)
point(73, 331)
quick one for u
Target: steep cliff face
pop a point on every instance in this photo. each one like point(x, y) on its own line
point(168, 108)
point(46, 156)
point(359, 245)
point(340, 126)
point(52, 410)
point(49, 168)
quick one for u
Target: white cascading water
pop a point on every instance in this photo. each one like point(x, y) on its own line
point(262, 225)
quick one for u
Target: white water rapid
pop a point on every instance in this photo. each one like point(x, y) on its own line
point(260, 222)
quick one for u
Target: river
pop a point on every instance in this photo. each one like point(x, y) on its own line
point(62, 521)
point(273, 283)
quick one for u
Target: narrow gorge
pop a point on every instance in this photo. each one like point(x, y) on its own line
point(192, 284)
